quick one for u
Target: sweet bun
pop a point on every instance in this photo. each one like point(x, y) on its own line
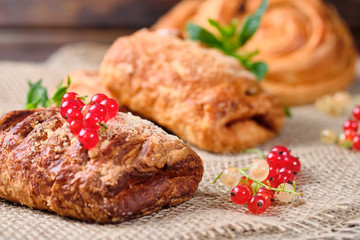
point(307, 46)
point(201, 95)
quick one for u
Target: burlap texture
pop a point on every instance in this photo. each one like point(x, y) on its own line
point(330, 180)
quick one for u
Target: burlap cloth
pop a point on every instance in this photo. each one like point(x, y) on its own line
point(330, 180)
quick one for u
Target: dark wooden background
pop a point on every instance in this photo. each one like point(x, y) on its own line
point(30, 30)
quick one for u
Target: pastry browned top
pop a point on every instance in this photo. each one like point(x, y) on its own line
point(200, 94)
point(135, 169)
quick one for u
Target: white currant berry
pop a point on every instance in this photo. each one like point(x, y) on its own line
point(259, 170)
point(230, 177)
point(343, 142)
point(324, 103)
point(285, 196)
point(342, 98)
point(328, 136)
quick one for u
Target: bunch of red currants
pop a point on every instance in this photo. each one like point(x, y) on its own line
point(350, 138)
point(268, 179)
point(86, 120)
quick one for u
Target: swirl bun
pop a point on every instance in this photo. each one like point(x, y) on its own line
point(306, 45)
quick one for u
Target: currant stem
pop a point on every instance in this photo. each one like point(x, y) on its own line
point(268, 187)
point(256, 151)
point(218, 176)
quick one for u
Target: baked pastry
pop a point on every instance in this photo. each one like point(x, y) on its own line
point(203, 96)
point(87, 83)
point(136, 168)
point(309, 50)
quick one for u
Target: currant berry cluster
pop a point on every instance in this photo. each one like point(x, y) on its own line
point(268, 179)
point(350, 137)
point(86, 119)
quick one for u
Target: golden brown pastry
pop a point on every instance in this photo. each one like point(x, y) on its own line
point(203, 96)
point(136, 168)
point(307, 46)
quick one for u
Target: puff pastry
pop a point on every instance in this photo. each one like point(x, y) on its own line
point(307, 46)
point(135, 169)
point(203, 96)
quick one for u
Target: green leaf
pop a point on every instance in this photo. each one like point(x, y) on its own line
point(251, 24)
point(230, 41)
point(287, 111)
point(36, 95)
point(251, 54)
point(259, 69)
point(231, 29)
point(216, 24)
point(200, 34)
point(58, 95)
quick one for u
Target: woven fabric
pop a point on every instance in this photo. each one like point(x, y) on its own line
point(330, 180)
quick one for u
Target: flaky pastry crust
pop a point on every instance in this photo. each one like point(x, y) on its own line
point(135, 169)
point(203, 96)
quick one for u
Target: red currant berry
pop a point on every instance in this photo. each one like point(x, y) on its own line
point(91, 119)
point(81, 103)
point(264, 189)
point(85, 110)
point(244, 181)
point(267, 198)
point(97, 98)
point(294, 164)
point(283, 177)
point(257, 204)
point(101, 110)
point(351, 125)
point(241, 194)
point(67, 105)
point(272, 171)
point(286, 170)
point(73, 114)
point(350, 134)
point(111, 106)
point(356, 144)
point(75, 126)
point(88, 137)
point(274, 159)
point(285, 161)
point(69, 96)
point(356, 113)
point(281, 149)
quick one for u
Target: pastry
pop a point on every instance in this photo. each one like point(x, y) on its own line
point(201, 95)
point(136, 169)
point(308, 48)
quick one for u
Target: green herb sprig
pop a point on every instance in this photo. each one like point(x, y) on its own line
point(231, 38)
point(37, 95)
